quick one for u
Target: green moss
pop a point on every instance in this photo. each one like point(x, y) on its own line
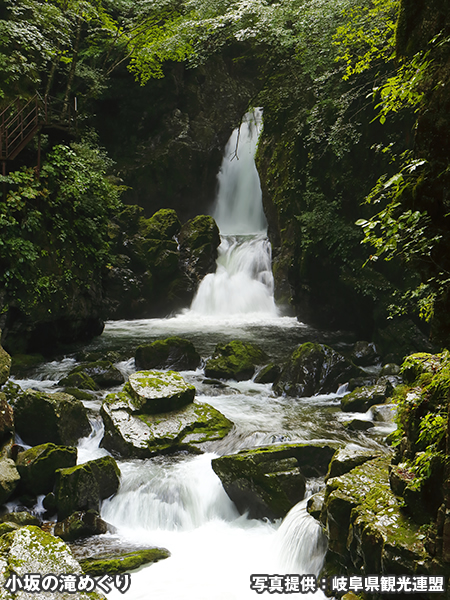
point(163, 225)
point(235, 360)
point(5, 365)
point(112, 565)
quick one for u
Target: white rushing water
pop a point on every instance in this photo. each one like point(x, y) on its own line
point(180, 503)
point(243, 281)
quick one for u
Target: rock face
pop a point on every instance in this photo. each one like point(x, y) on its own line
point(57, 418)
point(172, 353)
point(367, 530)
point(9, 479)
point(84, 486)
point(235, 360)
point(31, 550)
point(313, 369)
point(37, 466)
point(269, 481)
point(199, 239)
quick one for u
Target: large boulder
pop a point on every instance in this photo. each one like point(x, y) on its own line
point(199, 239)
point(57, 418)
point(150, 392)
point(235, 360)
point(172, 353)
point(364, 354)
point(37, 466)
point(31, 550)
point(84, 486)
point(346, 459)
point(9, 479)
point(314, 369)
point(269, 481)
point(141, 435)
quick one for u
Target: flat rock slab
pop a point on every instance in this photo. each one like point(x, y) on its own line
point(107, 554)
point(158, 391)
point(144, 435)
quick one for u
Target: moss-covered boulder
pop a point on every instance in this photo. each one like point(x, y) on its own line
point(9, 479)
point(78, 380)
point(6, 419)
point(314, 369)
point(82, 524)
point(5, 365)
point(163, 225)
point(119, 562)
point(11, 390)
point(361, 399)
point(37, 466)
point(20, 518)
point(172, 353)
point(57, 418)
point(84, 486)
point(269, 481)
point(31, 550)
point(235, 360)
point(199, 239)
point(102, 372)
point(150, 392)
point(143, 435)
point(366, 526)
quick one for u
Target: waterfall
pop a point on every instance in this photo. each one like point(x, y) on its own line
point(243, 281)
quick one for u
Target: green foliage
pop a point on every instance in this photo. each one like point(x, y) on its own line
point(53, 231)
point(367, 37)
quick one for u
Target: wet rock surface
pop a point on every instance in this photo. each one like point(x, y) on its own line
point(235, 360)
point(172, 353)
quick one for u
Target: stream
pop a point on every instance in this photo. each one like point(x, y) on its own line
point(177, 502)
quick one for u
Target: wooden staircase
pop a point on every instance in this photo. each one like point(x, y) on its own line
point(19, 123)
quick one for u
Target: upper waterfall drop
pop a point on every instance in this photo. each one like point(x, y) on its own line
point(243, 281)
point(238, 207)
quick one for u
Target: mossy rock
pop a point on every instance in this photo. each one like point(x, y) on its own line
point(144, 435)
point(11, 390)
point(79, 394)
point(364, 354)
point(9, 479)
point(366, 525)
point(163, 225)
point(346, 459)
point(31, 550)
point(37, 466)
point(119, 563)
point(151, 392)
point(102, 372)
point(57, 418)
point(314, 369)
point(20, 518)
point(361, 399)
point(82, 524)
point(235, 360)
point(78, 380)
point(268, 481)
point(199, 239)
point(358, 425)
point(84, 486)
point(172, 353)
point(5, 365)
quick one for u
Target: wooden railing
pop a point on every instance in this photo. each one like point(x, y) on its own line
point(20, 123)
